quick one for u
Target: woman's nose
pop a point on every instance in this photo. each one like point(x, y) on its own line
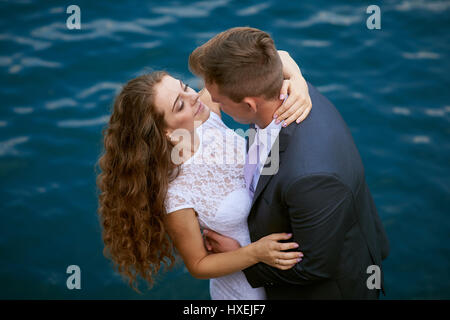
point(192, 97)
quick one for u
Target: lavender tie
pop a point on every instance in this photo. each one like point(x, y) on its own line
point(251, 163)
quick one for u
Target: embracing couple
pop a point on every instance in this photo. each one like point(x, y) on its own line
point(291, 217)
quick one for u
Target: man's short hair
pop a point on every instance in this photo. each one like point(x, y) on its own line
point(242, 62)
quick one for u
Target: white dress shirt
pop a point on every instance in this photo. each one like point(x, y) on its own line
point(265, 138)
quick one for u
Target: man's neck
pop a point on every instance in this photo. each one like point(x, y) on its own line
point(266, 111)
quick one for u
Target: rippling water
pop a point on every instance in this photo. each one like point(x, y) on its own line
point(57, 85)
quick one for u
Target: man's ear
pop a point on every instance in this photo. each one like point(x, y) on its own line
point(252, 103)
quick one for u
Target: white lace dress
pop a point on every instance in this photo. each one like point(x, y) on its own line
point(212, 183)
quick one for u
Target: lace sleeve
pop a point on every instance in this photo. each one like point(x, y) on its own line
point(177, 200)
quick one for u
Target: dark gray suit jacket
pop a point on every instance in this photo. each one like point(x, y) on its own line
point(321, 196)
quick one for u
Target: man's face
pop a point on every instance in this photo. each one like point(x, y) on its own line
point(240, 112)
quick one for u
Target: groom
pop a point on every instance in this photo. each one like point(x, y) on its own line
point(318, 192)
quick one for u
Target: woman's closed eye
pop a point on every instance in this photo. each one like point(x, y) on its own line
point(181, 100)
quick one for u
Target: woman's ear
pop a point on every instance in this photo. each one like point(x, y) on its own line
point(251, 102)
point(168, 133)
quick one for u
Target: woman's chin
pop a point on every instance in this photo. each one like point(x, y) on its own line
point(206, 111)
point(203, 115)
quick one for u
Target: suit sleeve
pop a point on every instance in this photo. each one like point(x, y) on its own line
point(320, 209)
point(381, 233)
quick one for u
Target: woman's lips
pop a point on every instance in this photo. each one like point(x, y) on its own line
point(200, 108)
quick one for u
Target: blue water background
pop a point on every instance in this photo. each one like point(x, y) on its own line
point(57, 85)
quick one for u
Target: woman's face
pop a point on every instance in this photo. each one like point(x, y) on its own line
point(180, 105)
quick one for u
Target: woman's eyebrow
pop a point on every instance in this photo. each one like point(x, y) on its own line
point(181, 85)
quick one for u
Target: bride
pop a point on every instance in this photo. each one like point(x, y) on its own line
point(150, 204)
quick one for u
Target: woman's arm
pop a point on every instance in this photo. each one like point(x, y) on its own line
point(297, 102)
point(290, 67)
point(205, 97)
point(184, 230)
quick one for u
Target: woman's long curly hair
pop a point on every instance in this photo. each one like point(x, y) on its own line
point(136, 169)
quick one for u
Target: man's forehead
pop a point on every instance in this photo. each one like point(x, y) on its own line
point(213, 90)
point(211, 86)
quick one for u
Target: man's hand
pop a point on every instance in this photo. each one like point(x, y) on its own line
point(217, 243)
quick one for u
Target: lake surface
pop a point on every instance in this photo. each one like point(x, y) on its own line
point(57, 85)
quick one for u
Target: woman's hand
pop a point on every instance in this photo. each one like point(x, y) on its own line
point(271, 252)
point(297, 103)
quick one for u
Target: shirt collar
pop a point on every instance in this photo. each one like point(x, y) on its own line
point(272, 130)
point(271, 125)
